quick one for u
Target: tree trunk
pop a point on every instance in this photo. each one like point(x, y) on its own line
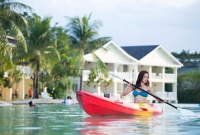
point(33, 85)
point(81, 80)
point(36, 91)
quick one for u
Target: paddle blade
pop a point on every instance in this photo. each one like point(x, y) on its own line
point(186, 112)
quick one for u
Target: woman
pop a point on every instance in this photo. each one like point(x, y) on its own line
point(143, 83)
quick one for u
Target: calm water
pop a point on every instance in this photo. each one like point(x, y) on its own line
point(58, 119)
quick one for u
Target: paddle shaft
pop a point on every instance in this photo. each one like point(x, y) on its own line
point(150, 94)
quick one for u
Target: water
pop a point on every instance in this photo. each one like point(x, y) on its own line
point(58, 119)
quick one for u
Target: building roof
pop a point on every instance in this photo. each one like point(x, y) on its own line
point(139, 52)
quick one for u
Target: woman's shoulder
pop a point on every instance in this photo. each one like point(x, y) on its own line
point(149, 88)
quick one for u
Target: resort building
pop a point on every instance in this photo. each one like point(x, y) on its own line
point(19, 90)
point(126, 62)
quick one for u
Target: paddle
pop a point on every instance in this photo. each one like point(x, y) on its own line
point(184, 112)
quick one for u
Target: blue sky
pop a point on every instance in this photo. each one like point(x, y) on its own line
point(174, 24)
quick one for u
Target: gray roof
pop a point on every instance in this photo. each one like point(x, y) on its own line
point(139, 52)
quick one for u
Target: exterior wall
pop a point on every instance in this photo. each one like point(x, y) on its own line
point(6, 94)
point(23, 86)
point(90, 89)
point(123, 66)
point(155, 63)
point(157, 86)
point(142, 67)
point(89, 65)
point(108, 90)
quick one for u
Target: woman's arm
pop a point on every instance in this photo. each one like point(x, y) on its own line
point(127, 90)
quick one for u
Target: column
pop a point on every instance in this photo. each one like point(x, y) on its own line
point(115, 68)
point(175, 72)
point(115, 89)
point(114, 80)
point(163, 89)
point(98, 90)
point(135, 73)
point(78, 83)
point(21, 89)
point(163, 73)
point(8, 94)
point(131, 69)
point(150, 75)
point(174, 89)
point(163, 82)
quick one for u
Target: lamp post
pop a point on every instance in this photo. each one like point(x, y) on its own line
point(42, 81)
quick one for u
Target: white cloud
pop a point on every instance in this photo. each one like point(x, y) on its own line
point(176, 3)
point(171, 23)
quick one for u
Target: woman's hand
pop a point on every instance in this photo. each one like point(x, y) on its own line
point(130, 85)
point(164, 101)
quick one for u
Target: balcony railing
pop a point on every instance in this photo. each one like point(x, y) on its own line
point(166, 94)
point(157, 76)
point(130, 76)
point(166, 76)
point(170, 76)
point(125, 75)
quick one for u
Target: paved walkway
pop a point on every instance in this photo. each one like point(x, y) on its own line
point(37, 101)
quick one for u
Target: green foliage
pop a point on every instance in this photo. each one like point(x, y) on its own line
point(83, 36)
point(57, 87)
point(7, 83)
point(58, 80)
point(16, 76)
point(169, 70)
point(188, 59)
point(188, 80)
point(168, 87)
point(10, 23)
point(189, 96)
point(97, 77)
point(42, 52)
point(189, 87)
point(57, 92)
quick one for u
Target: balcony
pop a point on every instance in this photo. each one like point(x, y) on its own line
point(165, 76)
point(170, 76)
point(124, 75)
point(167, 95)
point(26, 70)
point(130, 76)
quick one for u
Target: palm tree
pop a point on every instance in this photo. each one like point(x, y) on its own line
point(41, 48)
point(10, 21)
point(83, 36)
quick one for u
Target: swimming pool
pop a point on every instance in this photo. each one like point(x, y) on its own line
point(71, 120)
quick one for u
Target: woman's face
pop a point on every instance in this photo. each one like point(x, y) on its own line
point(145, 78)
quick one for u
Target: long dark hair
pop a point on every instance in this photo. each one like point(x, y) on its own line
point(140, 77)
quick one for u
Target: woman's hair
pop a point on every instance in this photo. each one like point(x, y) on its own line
point(140, 77)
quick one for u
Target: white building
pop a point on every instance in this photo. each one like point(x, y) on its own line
point(126, 62)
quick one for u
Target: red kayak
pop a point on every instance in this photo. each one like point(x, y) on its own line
point(101, 106)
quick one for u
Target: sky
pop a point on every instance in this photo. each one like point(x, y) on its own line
point(173, 24)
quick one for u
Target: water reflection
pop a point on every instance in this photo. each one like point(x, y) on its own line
point(118, 125)
point(60, 119)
